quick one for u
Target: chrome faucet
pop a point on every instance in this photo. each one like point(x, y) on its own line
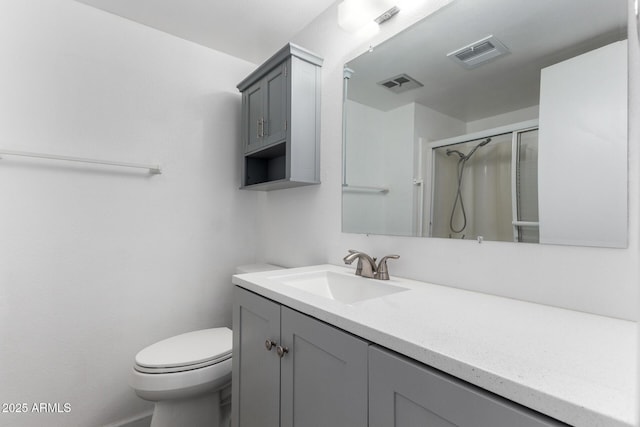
point(367, 266)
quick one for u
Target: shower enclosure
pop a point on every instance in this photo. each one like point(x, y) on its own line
point(486, 187)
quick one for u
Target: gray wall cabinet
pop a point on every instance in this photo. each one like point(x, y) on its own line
point(314, 375)
point(292, 370)
point(281, 121)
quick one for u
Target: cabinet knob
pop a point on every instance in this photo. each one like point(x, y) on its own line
point(282, 350)
point(269, 344)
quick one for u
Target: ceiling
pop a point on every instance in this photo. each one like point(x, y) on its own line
point(538, 34)
point(247, 29)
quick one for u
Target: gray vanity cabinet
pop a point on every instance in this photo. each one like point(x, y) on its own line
point(281, 121)
point(291, 370)
point(404, 393)
point(313, 374)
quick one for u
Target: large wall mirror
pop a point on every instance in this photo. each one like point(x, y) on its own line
point(492, 119)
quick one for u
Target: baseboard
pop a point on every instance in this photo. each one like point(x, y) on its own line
point(140, 420)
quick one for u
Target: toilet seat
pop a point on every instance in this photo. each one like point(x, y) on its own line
point(185, 352)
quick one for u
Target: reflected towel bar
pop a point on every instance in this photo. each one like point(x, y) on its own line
point(153, 169)
point(526, 223)
point(360, 189)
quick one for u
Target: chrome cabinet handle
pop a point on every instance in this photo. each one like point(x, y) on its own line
point(260, 128)
point(282, 350)
point(269, 344)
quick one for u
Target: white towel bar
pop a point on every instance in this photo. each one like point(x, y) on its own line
point(526, 223)
point(153, 169)
point(361, 189)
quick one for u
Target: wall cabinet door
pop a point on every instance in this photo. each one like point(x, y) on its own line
point(266, 110)
point(324, 374)
point(256, 370)
point(253, 100)
point(403, 393)
point(275, 106)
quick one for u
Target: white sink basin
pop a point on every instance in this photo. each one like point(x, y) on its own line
point(337, 286)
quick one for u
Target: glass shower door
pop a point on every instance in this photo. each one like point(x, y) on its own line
point(525, 186)
point(471, 191)
point(486, 188)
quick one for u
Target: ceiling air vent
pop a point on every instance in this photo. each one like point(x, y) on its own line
point(400, 83)
point(479, 52)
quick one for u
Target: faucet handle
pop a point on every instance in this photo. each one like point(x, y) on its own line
point(382, 272)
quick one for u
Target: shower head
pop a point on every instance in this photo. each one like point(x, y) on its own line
point(465, 157)
point(482, 144)
point(450, 152)
point(485, 142)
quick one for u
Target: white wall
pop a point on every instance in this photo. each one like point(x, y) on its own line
point(381, 150)
point(98, 262)
point(569, 153)
point(634, 137)
point(304, 223)
point(516, 116)
point(365, 160)
point(431, 125)
point(398, 167)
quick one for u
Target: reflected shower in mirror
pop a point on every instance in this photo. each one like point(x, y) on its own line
point(493, 120)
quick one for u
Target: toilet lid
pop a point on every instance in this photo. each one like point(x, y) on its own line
point(193, 349)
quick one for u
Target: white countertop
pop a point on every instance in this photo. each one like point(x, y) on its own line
point(576, 367)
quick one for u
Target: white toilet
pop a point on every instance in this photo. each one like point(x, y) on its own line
point(189, 376)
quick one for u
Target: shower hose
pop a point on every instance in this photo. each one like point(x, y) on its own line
point(462, 161)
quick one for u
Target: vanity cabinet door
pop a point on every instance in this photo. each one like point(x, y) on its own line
point(324, 374)
point(314, 375)
point(404, 393)
point(256, 370)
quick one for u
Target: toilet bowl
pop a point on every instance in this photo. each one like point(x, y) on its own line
point(187, 376)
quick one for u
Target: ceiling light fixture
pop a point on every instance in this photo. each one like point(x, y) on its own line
point(387, 15)
point(353, 15)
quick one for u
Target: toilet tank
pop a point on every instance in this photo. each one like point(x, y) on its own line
point(254, 268)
